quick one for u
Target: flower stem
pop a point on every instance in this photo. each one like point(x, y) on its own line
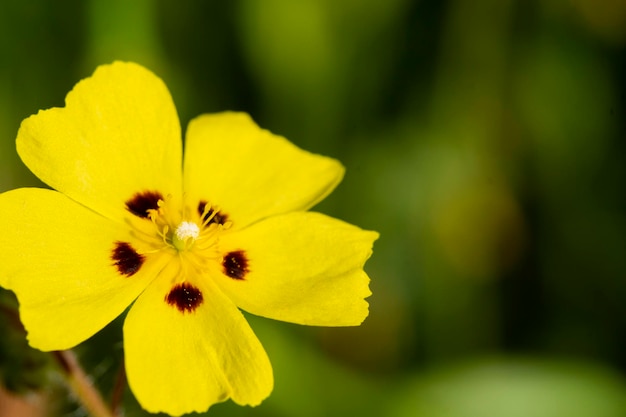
point(118, 391)
point(81, 385)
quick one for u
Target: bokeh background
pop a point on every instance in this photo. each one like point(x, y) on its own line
point(484, 140)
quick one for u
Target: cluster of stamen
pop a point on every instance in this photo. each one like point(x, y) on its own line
point(180, 232)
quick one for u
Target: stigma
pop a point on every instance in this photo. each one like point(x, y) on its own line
point(185, 234)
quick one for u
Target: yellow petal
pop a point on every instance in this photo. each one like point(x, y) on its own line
point(249, 173)
point(57, 258)
point(118, 134)
point(302, 267)
point(182, 361)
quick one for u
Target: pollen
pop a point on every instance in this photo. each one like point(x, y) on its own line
point(187, 230)
point(185, 234)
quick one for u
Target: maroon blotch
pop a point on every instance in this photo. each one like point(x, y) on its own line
point(185, 297)
point(126, 259)
point(219, 218)
point(235, 264)
point(144, 201)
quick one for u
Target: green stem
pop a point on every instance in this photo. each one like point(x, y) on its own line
point(81, 385)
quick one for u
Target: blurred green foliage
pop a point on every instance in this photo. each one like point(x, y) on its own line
point(482, 138)
point(22, 368)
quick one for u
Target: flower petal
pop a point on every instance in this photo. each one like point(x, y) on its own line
point(181, 359)
point(117, 135)
point(301, 267)
point(249, 173)
point(57, 257)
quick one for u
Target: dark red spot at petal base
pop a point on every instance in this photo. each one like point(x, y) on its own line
point(144, 201)
point(235, 264)
point(185, 297)
point(126, 259)
point(219, 218)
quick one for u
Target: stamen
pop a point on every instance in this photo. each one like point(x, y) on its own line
point(210, 214)
point(207, 215)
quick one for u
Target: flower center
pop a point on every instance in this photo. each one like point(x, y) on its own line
point(174, 225)
point(185, 235)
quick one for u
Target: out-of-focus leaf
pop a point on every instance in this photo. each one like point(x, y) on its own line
point(22, 368)
point(515, 388)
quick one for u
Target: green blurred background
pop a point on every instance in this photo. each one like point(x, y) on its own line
point(484, 140)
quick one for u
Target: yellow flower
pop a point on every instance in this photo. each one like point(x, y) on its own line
point(187, 241)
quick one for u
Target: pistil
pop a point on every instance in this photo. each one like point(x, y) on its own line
point(185, 235)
